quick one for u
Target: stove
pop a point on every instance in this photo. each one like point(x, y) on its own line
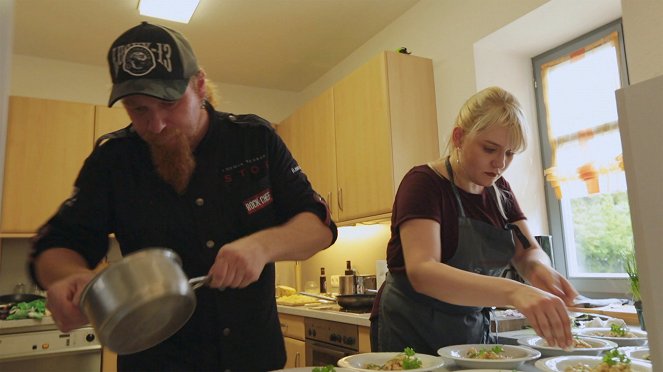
point(328, 341)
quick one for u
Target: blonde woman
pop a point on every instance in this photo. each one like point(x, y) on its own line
point(455, 227)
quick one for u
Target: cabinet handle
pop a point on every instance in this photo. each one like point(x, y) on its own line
point(340, 199)
point(297, 360)
point(284, 327)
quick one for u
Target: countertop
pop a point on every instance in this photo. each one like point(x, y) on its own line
point(327, 313)
point(27, 325)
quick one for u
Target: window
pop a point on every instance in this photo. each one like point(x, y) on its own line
point(586, 195)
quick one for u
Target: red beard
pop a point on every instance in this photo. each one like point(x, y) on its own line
point(173, 160)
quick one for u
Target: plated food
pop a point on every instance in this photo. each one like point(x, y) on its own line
point(639, 353)
point(483, 356)
point(612, 361)
point(621, 336)
point(390, 361)
point(582, 346)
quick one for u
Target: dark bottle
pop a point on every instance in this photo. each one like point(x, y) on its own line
point(348, 268)
point(323, 281)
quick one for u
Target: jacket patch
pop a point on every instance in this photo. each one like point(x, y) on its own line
point(258, 201)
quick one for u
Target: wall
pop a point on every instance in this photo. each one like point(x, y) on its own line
point(53, 79)
point(643, 34)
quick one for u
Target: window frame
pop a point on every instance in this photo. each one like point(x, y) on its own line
point(597, 286)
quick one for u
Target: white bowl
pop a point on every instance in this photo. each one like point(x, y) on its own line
point(559, 363)
point(358, 362)
point(538, 343)
point(515, 356)
point(639, 339)
point(639, 353)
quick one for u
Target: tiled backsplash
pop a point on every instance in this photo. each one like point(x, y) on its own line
point(14, 254)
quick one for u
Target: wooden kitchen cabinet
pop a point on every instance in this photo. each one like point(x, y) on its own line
point(292, 327)
point(385, 122)
point(47, 143)
point(309, 134)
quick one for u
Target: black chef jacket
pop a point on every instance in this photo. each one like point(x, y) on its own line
point(245, 180)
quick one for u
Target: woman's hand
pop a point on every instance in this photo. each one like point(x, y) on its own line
point(63, 298)
point(546, 278)
point(546, 313)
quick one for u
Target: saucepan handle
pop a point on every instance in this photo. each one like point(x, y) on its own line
point(200, 281)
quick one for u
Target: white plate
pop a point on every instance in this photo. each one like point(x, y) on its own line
point(488, 370)
point(639, 340)
point(598, 346)
point(638, 353)
point(517, 355)
point(309, 369)
point(558, 364)
point(357, 362)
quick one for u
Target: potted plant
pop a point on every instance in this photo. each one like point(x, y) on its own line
point(631, 267)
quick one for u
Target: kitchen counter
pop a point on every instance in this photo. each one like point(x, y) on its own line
point(327, 313)
point(27, 325)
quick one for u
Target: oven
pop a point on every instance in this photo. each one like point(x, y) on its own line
point(48, 349)
point(328, 341)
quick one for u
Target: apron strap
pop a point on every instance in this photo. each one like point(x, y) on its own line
point(453, 187)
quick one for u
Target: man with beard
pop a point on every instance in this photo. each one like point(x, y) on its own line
point(220, 190)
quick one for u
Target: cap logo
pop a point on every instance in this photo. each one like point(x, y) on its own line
point(139, 59)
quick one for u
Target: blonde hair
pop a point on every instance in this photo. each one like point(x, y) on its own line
point(490, 107)
point(486, 109)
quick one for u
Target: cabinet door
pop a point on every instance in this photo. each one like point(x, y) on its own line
point(109, 119)
point(309, 134)
point(47, 142)
point(363, 142)
point(295, 351)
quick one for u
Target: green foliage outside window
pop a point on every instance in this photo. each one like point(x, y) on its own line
point(603, 235)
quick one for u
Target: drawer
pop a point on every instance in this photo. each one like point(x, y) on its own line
point(292, 326)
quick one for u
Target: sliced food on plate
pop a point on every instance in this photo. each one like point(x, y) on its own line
point(621, 335)
point(392, 361)
point(581, 346)
point(639, 353)
point(611, 361)
point(484, 356)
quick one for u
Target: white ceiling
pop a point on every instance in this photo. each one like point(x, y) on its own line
point(274, 44)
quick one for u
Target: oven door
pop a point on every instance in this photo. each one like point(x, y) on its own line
point(322, 354)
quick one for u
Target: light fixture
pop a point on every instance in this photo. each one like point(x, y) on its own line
point(172, 10)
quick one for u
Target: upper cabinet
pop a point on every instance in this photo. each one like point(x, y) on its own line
point(309, 134)
point(384, 122)
point(47, 142)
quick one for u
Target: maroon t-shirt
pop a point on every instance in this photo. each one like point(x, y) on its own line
point(425, 194)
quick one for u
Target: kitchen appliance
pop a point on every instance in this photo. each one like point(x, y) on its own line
point(44, 348)
point(327, 341)
point(346, 284)
point(140, 300)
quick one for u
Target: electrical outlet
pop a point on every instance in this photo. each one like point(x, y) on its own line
point(334, 280)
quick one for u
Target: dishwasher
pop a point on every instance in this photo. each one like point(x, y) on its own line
point(45, 348)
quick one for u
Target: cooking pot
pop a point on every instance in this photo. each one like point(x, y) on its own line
point(140, 300)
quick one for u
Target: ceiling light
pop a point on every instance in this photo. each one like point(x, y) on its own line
point(172, 10)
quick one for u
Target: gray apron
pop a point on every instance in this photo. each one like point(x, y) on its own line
point(411, 319)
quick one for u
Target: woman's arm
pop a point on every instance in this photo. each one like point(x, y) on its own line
point(422, 249)
point(533, 264)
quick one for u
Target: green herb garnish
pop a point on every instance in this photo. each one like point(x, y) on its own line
point(327, 368)
point(618, 330)
point(614, 357)
point(410, 361)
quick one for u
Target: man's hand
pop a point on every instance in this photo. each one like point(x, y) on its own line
point(63, 299)
point(238, 264)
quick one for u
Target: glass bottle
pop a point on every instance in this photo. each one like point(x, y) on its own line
point(323, 281)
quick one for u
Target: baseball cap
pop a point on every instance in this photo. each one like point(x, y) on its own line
point(151, 60)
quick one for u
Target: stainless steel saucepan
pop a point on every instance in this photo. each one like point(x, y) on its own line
point(140, 300)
